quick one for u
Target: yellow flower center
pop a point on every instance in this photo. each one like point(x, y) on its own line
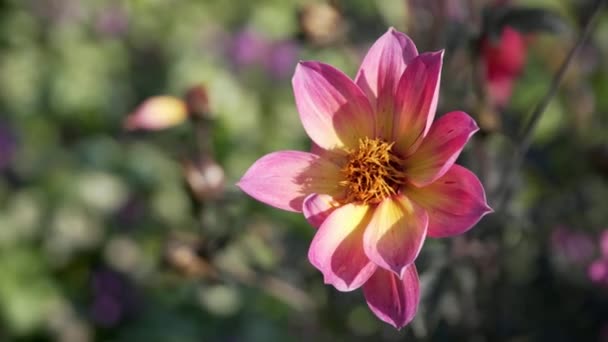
point(373, 172)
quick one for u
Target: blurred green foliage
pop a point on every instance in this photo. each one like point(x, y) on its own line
point(102, 239)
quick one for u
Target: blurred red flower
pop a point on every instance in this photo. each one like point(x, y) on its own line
point(503, 61)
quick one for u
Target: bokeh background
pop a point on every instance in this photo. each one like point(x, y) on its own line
point(115, 234)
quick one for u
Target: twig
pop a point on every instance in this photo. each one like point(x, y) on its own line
point(276, 287)
point(504, 192)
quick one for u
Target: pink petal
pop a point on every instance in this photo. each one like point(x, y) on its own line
point(317, 208)
point(454, 202)
point(337, 248)
point(333, 110)
point(283, 179)
point(440, 148)
point(380, 72)
point(416, 101)
point(393, 300)
point(395, 233)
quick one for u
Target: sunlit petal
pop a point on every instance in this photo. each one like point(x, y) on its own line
point(380, 72)
point(440, 148)
point(416, 101)
point(283, 179)
point(394, 300)
point(454, 202)
point(317, 208)
point(337, 248)
point(333, 109)
point(395, 233)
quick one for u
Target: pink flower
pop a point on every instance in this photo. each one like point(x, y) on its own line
point(604, 243)
point(598, 269)
point(504, 61)
point(248, 47)
point(572, 246)
point(282, 57)
point(380, 176)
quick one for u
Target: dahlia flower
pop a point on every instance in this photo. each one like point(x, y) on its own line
point(380, 176)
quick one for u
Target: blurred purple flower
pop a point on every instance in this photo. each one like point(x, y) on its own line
point(247, 47)
point(598, 269)
point(453, 10)
point(8, 146)
point(575, 247)
point(131, 212)
point(114, 298)
point(59, 11)
point(604, 243)
point(106, 310)
point(282, 58)
point(112, 21)
point(456, 10)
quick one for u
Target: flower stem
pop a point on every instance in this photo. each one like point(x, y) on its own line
point(505, 190)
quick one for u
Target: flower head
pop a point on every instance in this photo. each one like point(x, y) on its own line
point(574, 247)
point(381, 175)
point(248, 47)
point(504, 60)
point(598, 269)
point(281, 58)
point(114, 298)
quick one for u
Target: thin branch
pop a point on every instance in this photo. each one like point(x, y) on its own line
point(504, 192)
point(278, 288)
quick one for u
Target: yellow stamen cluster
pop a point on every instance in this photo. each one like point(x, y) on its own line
point(372, 172)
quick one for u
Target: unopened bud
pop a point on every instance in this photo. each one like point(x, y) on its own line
point(182, 253)
point(503, 60)
point(489, 119)
point(206, 179)
point(321, 23)
point(156, 113)
point(198, 102)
